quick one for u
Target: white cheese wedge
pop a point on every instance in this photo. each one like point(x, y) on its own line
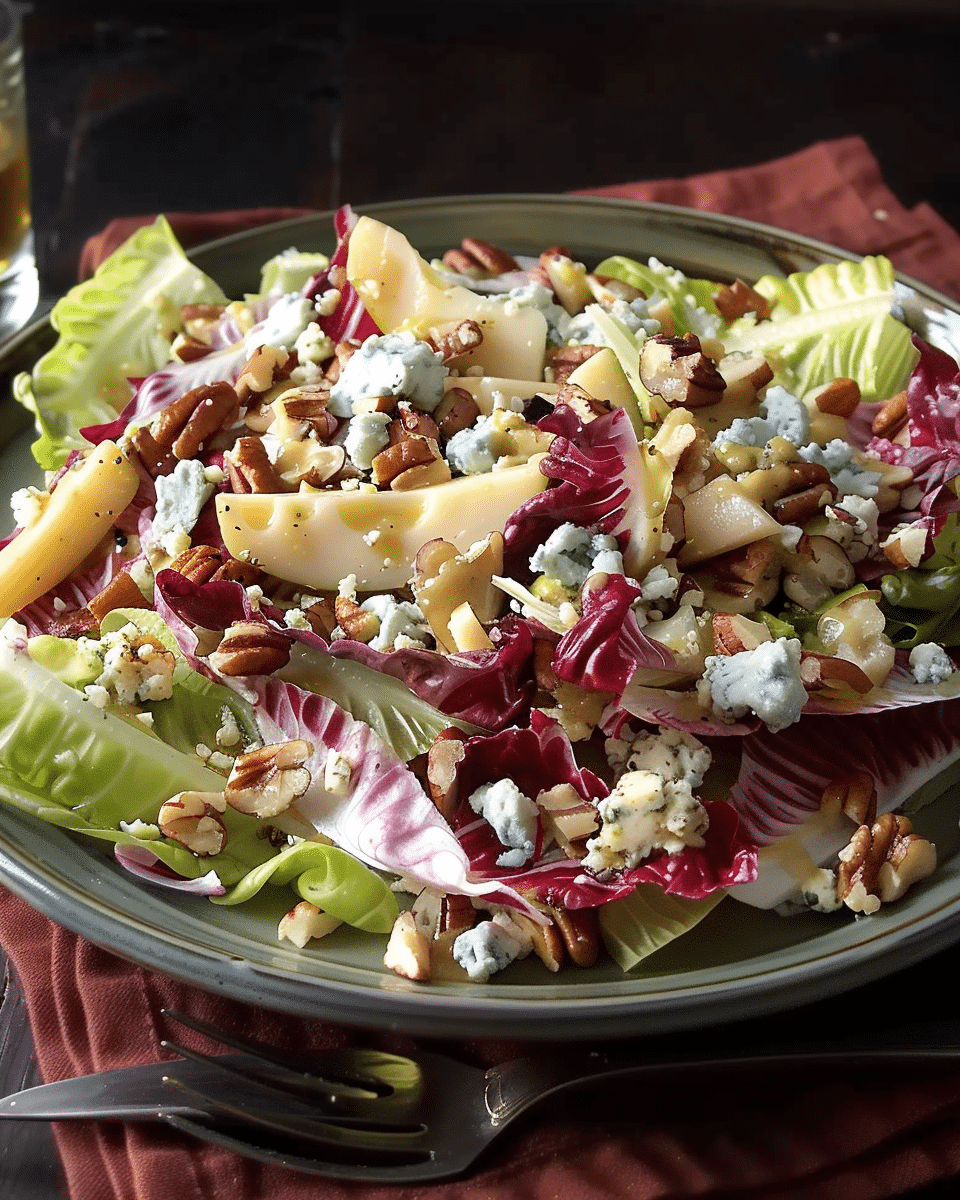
point(402, 292)
point(317, 539)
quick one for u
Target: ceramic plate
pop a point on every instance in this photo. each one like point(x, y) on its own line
point(739, 962)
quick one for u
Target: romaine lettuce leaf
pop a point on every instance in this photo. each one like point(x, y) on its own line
point(114, 327)
point(692, 305)
point(834, 321)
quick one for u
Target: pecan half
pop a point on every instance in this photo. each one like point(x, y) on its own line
point(491, 258)
point(564, 360)
point(249, 648)
point(249, 468)
point(839, 398)
point(266, 780)
point(203, 564)
point(265, 367)
point(187, 424)
point(890, 417)
point(881, 861)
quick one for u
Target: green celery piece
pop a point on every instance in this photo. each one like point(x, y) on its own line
point(328, 877)
point(648, 919)
point(829, 322)
point(406, 723)
point(678, 289)
point(113, 327)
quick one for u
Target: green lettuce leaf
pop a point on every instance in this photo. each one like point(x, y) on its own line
point(290, 270)
point(406, 723)
point(113, 327)
point(329, 878)
point(684, 295)
point(922, 604)
point(830, 322)
point(640, 924)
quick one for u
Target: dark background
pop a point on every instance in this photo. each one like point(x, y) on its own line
point(137, 107)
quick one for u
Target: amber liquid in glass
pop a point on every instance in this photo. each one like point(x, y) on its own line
point(14, 195)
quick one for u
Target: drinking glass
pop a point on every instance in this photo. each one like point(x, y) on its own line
point(19, 286)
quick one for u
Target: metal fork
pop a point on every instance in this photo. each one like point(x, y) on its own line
point(362, 1114)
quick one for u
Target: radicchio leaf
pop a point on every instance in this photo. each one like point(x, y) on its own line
point(350, 320)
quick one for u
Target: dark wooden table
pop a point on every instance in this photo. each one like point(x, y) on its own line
point(144, 105)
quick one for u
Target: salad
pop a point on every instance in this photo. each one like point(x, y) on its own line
point(492, 606)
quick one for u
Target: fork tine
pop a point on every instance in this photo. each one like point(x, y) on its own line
point(391, 1167)
point(371, 1137)
point(335, 1069)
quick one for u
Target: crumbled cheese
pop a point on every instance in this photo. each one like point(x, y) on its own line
point(471, 451)
point(781, 415)
point(131, 670)
point(490, 946)
point(571, 554)
point(27, 505)
point(930, 663)
point(287, 319)
point(672, 753)
point(840, 459)
point(180, 497)
point(337, 773)
point(366, 437)
point(765, 681)
point(394, 364)
point(659, 583)
point(402, 624)
point(644, 813)
point(513, 816)
point(313, 346)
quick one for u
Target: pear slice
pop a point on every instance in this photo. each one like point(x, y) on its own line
point(402, 292)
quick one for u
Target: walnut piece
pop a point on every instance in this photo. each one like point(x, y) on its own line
point(266, 780)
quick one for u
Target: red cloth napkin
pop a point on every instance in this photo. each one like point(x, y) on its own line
point(835, 1136)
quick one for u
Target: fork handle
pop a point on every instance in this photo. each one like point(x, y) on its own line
point(515, 1086)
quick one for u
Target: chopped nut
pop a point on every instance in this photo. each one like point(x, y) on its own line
point(548, 945)
point(267, 779)
point(855, 796)
point(249, 648)
point(156, 459)
point(265, 366)
point(443, 758)
point(881, 861)
point(580, 930)
point(250, 469)
point(304, 923)
point(408, 950)
point(120, 592)
point(839, 398)
point(187, 349)
point(456, 338)
point(890, 417)
point(356, 622)
point(564, 360)
point(457, 410)
point(491, 258)
point(203, 564)
point(401, 456)
point(740, 298)
point(587, 407)
point(825, 670)
point(193, 820)
point(187, 424)
point(680, 372)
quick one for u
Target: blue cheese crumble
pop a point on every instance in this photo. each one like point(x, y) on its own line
point(781, 415)
point(840, 459)
point(132, 668)
point(571, 554)
point(930, 663)
point(366, 436)
point(765, 681)
point(645, 813)
point(181, 496)
point(402, 624)
point(392, 364)
point(490, 946)
point(513, 816)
